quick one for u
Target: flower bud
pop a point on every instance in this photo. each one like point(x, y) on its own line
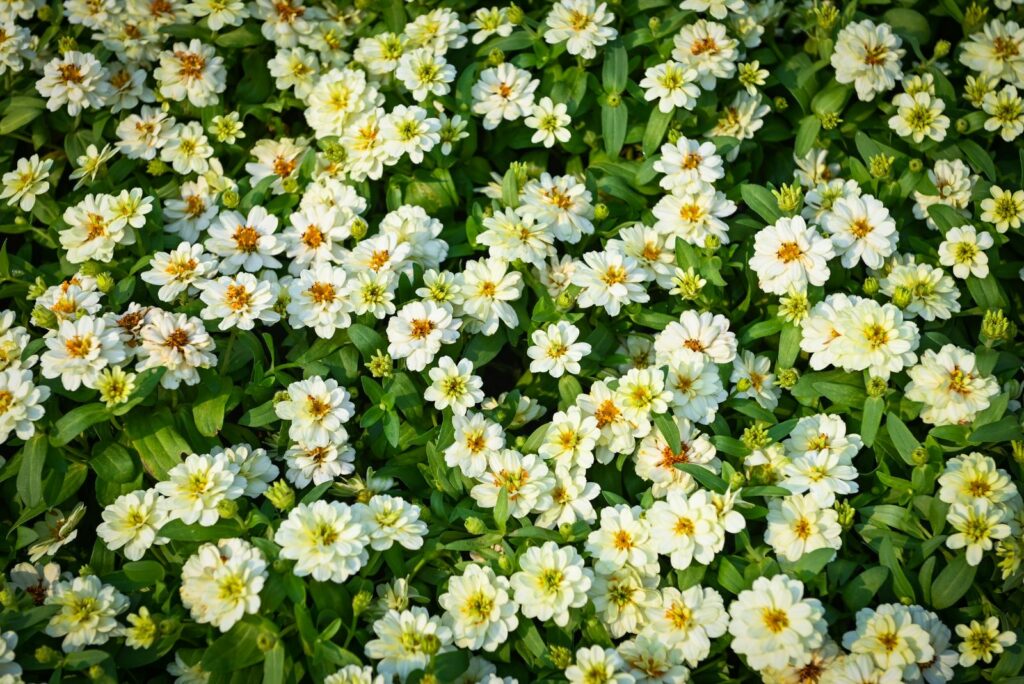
point(227, 508)
point(45, 13)
point(613, 99)
point(359, 228)
point(916, 165)
point(431, 644)
point(941, 49)
point(37, 288)
point(870, 286)
point(495, 57)
point(361, 602)
point(600, 211)
point(565, 301)
point(155, 167)
point(380, 364)
point(44, 318)
point(880, 165)
point(560, 656)
point(66, 44)
point(8, 599)
point(756, 437)
point(781, 104)
point(653, 24)
point(919, 456)
point(902, 296)
point(995, 327)
point(280, 495)
point(712, 243)
point(877, 387)
point(737, 480)
point(475, 525)
point(266, 641)
point(47, 656)
point(788, 377)
point(230, 198)
point(168, 625)
point(515, 14)
point(104, 282)
point(789, 198)
point(845, 513)
point(1018, 451)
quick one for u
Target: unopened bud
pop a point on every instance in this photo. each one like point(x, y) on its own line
point(600, 211)
point(227, 508)
point(361, 602)
point(66, 44)
point(230, 198)
point(845, 512)
point(781, 104)
point(105, 282)
point(359, 228)
point(1017, 446)
point(475, 525)
point(37, 288)
point(789, 198)
point(756, 437)
point(919, 456)
point(995, 327)
point(787, 377)
point(514, 14)
point(880, 165)
point(613, 99)
point(280, 495)
point(47, 656)
point(380, 364)
point(495, 57)
point(877, 387)
point(266, 641)
point(916, 165)
point(712, 243)
point(560, 656)
point(870, 286)
point(155, 167)
point(902, 296)
point(653, 24)
point(941, 49)
point(44, 318)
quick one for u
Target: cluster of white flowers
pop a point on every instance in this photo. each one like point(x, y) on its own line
point(570, 433)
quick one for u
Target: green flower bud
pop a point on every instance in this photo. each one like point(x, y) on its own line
point(380, 364)
point(431, 644)
point(787, 377)
point(712, 243)
point(877, 387)
point(8, 599)
point(565, 301)
point(47, 656)
point(919, 456)
point(105, 282)
point(230, 198)
point(916, 165)
point(560, 656)
point(475, 525)
point(1018, 451)
point(600, 211)
point(45, 13)
point(227, 508)
point(37, 288)
point(737, 480)
point(515, 14)
point(44, 318)
point(653, 24)
point(168, 625)
point(756, 437)
point(781, 104)
point(829, 120)
point(66, 44)
point(361, 602)
point(789, 198)
point(870, 286)
point(495, 57)
point(155, 167)
point(845, 513)
point(941, 49)
point(280, 495)
point(429, 678)
point(266, 641)
point(359, 228)
point(962, 125)
point(880, 165)
point(96, 672)
point(743, 384)
point(613, 99)
point(290, 185)
point(996, 328)
point(505, 563)
point(902, 297)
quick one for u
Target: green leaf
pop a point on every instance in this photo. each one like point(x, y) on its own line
point(157, 442)
point(568, 389)
point(761, 201)
point(510, 188)
point(77, 420)
point(872, 418)
point(654, 133)
point(367, 340)
point(806, 135)
point(789, 345)
point(147, 572)
point(235, 650)
point(666, 424)
point(978, 158)
point(30, 474)
point(814, 562)
point(176, 530)
point(273, 665)
point(861, 590)
point(904, 441)
point(113, 463)
point(211, 401)
point(21, 112)
point(908, 22)
point(614, 120)
point(704, 476)
point(615, 70)
point(501, 509)
point(953, 582)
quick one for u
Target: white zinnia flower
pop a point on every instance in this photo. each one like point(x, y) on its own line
point(326, 539)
